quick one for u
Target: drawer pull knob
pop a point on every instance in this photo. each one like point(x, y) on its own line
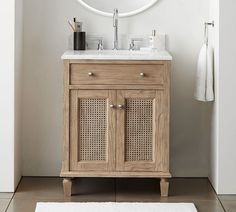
point(90, 74)
point(112, 106)
point(121, 107)
point(142, 74)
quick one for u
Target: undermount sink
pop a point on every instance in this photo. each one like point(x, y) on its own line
point(117, 55)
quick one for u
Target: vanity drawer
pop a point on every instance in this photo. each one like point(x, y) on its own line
point(103, 74)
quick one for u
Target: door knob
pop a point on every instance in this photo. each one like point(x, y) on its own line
point(90, 74)
point(142, 74)
point(112, 106)
point(121, 107)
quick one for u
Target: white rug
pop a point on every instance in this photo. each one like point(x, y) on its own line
point(115, 207)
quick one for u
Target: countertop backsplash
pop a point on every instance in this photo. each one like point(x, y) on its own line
point(92, 41)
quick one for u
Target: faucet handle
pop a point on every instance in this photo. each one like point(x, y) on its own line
point(100, 44)
point(132, 43)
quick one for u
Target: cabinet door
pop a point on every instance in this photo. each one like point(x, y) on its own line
point(140, 124)
point(92, 130)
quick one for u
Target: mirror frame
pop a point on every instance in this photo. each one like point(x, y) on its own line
point(127, 14)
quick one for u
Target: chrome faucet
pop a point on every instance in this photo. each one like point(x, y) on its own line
point(115, 25)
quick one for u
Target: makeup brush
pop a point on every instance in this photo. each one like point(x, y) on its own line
point(75, 25)
point(71, 25)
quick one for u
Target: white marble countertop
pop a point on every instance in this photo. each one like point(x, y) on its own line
point(116, 55)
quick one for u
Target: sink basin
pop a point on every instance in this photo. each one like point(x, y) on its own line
point(116, 55)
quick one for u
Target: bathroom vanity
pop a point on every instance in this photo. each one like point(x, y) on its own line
point(116, 115)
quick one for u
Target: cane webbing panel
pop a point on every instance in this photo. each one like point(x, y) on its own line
point(92, 129)
point(139, 130)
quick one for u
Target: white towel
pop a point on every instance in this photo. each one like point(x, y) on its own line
point(204, 90)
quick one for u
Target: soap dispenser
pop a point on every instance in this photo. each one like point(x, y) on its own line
point(152, 39)
point(157, 41)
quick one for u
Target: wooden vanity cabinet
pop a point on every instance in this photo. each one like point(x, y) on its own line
point(116, 120)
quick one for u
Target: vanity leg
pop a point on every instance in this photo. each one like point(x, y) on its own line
point(164, 185)
point(67, 186)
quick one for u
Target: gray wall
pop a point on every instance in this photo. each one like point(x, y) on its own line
point(11, 42)
point(18, 89)
point(226, 101)
point(46, 37)
point(214, 110)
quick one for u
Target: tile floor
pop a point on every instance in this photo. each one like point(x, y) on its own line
point(33, 190)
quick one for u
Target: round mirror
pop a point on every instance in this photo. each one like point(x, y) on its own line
point(125, 7)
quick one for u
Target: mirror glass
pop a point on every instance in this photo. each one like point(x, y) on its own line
point(125, 7)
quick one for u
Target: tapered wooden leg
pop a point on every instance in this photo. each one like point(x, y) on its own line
point(164, 185)
point(67, 186)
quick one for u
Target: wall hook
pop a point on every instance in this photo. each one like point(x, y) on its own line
point(210, 23)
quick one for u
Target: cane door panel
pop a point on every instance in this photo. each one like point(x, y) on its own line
point(92, 130)
point(138, 129)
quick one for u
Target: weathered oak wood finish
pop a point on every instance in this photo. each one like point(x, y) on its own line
point(116, 74)
point(67, 187)
point(116, 120)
